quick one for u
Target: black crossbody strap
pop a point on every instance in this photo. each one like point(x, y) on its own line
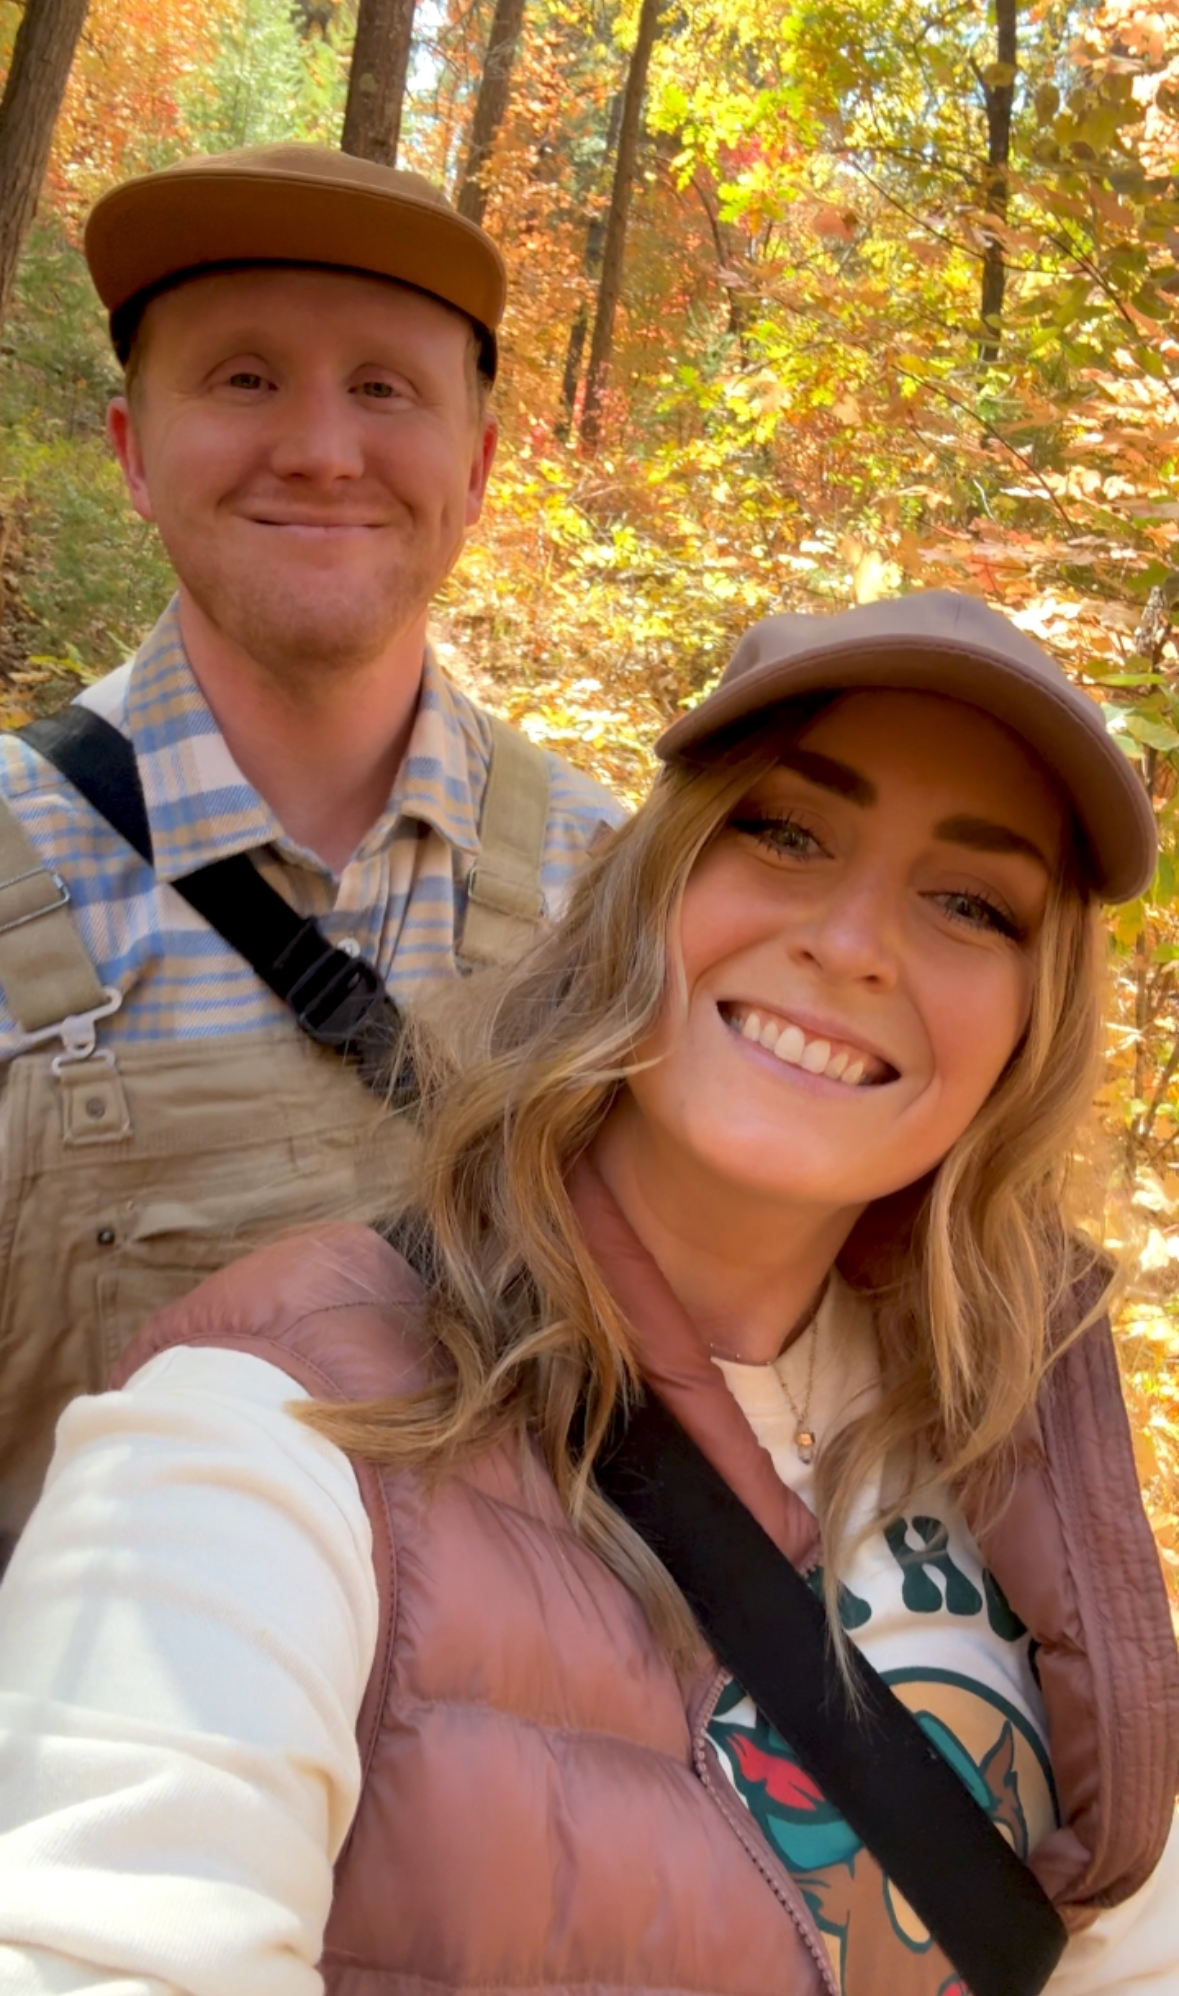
point(338, 1000)
point(982, 1905)
point(100, 762)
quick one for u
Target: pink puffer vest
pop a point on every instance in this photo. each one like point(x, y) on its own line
point(541, 1809)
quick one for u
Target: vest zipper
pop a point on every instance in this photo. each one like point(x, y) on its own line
point(740, 1822)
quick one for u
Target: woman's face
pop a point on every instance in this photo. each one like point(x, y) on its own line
point(857, 949)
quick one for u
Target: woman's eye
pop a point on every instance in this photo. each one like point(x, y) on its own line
point(379, 391)
point(245, 378)
point(978, 911)
point(786, 837)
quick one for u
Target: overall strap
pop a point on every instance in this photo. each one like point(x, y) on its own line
point(338, 999)
point(52, 988)
point(504, 898)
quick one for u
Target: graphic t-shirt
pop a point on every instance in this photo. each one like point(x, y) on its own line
point(924, 1611)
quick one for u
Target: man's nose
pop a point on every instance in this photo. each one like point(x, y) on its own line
point(855, 932)
point(316, 435)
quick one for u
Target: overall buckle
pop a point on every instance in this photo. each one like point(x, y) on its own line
point(76, 1031)
point(60, 899)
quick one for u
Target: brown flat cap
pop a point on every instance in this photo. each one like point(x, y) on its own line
point(292, 204)
point(937, 641)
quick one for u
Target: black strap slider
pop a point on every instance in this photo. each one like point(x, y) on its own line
point(336, 996)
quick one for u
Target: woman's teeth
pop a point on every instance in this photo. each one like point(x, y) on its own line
point(790, 1044)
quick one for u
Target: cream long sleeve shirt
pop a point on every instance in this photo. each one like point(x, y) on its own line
point(186, 1632)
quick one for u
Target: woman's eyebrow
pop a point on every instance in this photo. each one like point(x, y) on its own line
point(983, 835)
point(979, 834)
point(830, 775)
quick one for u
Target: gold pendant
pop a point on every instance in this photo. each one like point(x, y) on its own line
point(804, 1442)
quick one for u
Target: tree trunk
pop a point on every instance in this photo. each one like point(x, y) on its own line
point(575, 348)
point(595, 238)
point(313, 17)
point(376, 80)
point(614, 250)
point(490, 106)
point(729, 255)
point(41, 59)
point(999, 98)
point(1149, 643)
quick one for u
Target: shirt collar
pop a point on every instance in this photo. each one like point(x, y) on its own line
point(444, 769)
point(201, 808)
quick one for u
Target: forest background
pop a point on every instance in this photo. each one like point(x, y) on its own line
point(811, 303)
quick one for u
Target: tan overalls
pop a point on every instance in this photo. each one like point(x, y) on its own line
point(123, 1181)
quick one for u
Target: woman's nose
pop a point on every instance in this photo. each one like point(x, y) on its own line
point(854, 932)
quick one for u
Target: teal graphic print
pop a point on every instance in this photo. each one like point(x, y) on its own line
point(875, 1941)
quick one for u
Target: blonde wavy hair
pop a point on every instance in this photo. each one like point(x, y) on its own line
point(517, 1073)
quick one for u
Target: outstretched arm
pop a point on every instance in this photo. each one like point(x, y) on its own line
point(1133, 1949)
point(186, 1630)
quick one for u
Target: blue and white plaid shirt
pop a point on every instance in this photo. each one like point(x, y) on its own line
point(401, 897)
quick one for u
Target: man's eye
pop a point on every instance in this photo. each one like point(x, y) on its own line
point(246, 379)
point(378, 391)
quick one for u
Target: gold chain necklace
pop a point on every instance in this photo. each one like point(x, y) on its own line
point(805, 1438)
point(804, 1435)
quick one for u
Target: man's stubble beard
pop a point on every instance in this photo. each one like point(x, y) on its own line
point(298, 641)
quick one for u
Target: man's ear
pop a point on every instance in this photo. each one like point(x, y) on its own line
point(481, 463)
point(124, 441)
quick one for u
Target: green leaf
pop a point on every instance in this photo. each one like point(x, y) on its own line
point(1127, 923)
point(1150, 304)
point(1156, 734)
point(1047, 103)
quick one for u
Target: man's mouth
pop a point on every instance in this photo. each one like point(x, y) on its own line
point(310, 525)
point(836, 1059)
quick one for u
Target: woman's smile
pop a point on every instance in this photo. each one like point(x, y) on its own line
point(857, 947)
point(821, 1052)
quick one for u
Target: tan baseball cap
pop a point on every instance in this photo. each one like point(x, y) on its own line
point(293, 204)
point(937, 641)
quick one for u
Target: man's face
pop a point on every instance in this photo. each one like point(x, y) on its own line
point(311, 447)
